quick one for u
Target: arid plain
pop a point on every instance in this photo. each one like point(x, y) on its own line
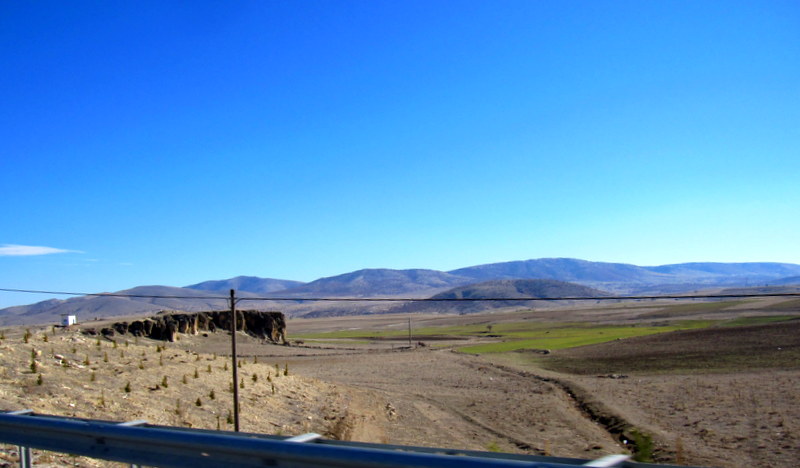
point(710, 384)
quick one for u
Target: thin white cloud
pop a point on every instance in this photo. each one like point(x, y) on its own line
point(14, 250)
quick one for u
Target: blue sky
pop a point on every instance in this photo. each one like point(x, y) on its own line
point(175, 142)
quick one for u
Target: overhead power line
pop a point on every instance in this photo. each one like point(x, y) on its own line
point(413, 299)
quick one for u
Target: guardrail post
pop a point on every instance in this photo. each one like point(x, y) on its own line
point(25, 457)
point(25, 460)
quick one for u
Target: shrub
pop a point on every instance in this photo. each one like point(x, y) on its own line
point(127, 387)
point(644, 446)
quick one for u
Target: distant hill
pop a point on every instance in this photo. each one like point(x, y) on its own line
point(789, 280)
point(622, 277)
point(619, 278)
point(252, 284)
point(519, 288)
point(90, 307)
point(542, 288)
point(563, 269)
point(728, 272)
point(379, 282)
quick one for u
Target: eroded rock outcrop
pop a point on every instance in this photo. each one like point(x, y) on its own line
point(270, 326)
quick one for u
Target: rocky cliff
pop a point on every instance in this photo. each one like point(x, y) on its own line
point(165, 326)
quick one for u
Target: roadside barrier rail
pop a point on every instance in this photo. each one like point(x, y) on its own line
point(140, 444)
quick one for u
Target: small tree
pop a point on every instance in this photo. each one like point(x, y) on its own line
point(198, 402)
point(39, 380)
point(211, 394)
point(164, 382)
point(127, 387)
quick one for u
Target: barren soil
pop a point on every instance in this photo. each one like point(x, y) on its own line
point(719, 397)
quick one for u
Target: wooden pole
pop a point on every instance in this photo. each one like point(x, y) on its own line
point(235, 368)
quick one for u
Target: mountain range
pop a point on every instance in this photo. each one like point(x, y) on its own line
point(496, 279)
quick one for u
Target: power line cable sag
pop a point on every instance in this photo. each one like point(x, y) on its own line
point(411, 299)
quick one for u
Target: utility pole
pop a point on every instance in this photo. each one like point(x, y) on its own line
point(235, 368)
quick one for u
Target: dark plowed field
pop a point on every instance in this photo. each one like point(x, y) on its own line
point(775, 345)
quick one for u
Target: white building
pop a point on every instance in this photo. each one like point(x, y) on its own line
point(67, 320)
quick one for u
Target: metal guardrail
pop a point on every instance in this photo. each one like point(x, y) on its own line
point(142, 444)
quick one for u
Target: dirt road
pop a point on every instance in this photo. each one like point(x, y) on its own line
point(441, 398)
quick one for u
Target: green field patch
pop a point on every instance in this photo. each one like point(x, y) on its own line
point(576, 335)
point(351, 334)
point(704, 306)
point(741, 321)
point(793, 304)
point(311, 341)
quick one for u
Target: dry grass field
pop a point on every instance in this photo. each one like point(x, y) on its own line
point(697, 384)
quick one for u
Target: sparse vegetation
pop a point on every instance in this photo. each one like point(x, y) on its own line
point(155, 402)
